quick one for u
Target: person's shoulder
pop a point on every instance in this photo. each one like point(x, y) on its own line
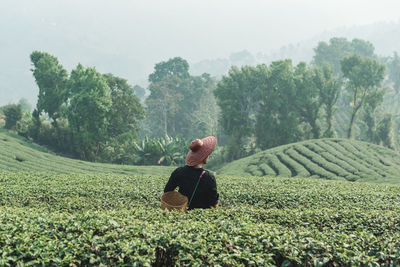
point(209, 174)
point(178, 170)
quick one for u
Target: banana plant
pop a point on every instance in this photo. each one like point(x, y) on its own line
point(162, 151)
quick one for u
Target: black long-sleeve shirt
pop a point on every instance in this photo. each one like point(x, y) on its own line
point(186, 179)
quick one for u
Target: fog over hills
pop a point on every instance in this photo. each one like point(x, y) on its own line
point(385, 36)
point(127, 38)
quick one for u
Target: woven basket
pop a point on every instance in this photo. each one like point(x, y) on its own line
point(174, 200)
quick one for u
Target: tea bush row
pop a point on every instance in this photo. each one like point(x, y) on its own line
point(323, 158)
point(19, 155)
point(109, 219)
point(111, 191)
point(227, 237)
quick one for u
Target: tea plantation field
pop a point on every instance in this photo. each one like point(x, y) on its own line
point(56, 211)
point(323, 158)
point(16, 154)
point(111, 219)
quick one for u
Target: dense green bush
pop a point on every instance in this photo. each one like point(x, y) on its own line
point(162, 151)
point(13, 113)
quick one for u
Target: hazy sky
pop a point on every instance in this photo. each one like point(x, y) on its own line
point(199, 29)
point(145, 32)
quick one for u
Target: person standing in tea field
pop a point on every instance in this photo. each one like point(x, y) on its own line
point(197, 184)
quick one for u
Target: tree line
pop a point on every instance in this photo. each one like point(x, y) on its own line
point(100, 117)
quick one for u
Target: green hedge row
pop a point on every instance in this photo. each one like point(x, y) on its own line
point(299, 169)
point(338, 155)
point(109, 219)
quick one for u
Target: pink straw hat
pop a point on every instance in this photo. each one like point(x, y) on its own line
point(200, 149)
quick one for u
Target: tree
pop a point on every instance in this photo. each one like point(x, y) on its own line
point(26, 106)
point(307, 100)
point(195, 118)
point(205, 118)
point(174, 97)
point(363, 48)
point(126, 110)
point(242, 58)
point(123, 122)
point(277, 120)
point(338, 48)
point(394, 71)
point(2, 117)
point(167, 83)
point(175, 67)
point(235, 96)
point(384, 132)
point(90, 103)
point(332, 53)
point(330, 92)
point(51, 79)
point(162, 106)
point(140, 92)
point(363, 77)
point(369, 115)
point(273, 105)
point(13, 113)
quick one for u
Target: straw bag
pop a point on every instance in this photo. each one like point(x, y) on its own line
point(174, 200)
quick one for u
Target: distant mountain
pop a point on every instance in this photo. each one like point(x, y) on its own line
point(385, 36)
point(102, 48)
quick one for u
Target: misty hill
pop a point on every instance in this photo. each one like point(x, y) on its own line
point(17, 154)
point(385, 36)
point(322, 158)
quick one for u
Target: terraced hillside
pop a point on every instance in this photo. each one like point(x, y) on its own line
point(323, 158)
point(16, 154)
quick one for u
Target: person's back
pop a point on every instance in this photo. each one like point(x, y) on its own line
point(186, 178)
point(197, 184)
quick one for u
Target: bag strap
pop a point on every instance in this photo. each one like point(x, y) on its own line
point(201, 175)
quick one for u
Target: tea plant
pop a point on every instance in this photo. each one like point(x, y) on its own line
point(323, 158)
point(17, 154)
point(111, 219)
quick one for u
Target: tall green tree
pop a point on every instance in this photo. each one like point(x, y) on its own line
point(140, 92)
point(330, 93)
point(123, 122)
point(175, 67)
point(167, 85)
point(394, 71)
point(235, 96)
point(163, 106)
point(363, 78)
point(51, 79)
point(26, 106)
point(13, 113)
point(277, 120)
point(363, 48)
point(242, 58)
point(174, 97)
point(338, 48)
point(126, 110)
point(88, 110)
point(194, 118)
point(307, 100)
point(369, 115)
point(205, 117)
point(384, 131)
